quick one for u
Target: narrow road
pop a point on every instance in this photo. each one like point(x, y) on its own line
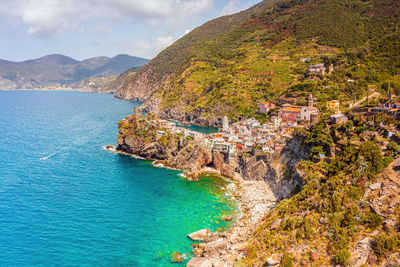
point(364, 99)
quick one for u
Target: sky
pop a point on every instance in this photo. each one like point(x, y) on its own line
point(83, 29)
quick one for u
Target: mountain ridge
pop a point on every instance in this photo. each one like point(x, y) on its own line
point(60, 70)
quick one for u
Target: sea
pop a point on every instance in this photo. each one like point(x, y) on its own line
point(67, 201)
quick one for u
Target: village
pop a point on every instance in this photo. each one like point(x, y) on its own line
point(250, 135)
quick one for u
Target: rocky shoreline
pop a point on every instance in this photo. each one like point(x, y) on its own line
point(223, 249)
point(263, 180)
point(254, 199)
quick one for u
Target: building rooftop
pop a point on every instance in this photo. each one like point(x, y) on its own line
point(338, 116)
point(291, 109)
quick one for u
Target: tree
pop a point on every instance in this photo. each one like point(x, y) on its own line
point(392, 148)
point(372, 155)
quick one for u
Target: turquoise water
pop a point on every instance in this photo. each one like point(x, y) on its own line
point(66, 201)
point(204, 130)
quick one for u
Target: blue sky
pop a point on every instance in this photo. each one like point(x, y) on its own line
point(88, 28)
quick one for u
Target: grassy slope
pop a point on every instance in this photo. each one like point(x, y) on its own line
point(228, 64)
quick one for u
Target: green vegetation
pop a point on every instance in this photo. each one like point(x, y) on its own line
point(330, 213)
point(386, 244)
point(230, 63)
point(343, 257)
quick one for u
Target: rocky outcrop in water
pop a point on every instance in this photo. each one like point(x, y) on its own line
point(278, 171)
point(172, 150)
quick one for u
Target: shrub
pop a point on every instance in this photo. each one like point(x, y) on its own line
point(387, 161)
point(385, 244)
point(372, 219)
point(343, 257)
point(286, 260)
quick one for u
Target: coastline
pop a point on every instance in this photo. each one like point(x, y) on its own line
point(253, 198)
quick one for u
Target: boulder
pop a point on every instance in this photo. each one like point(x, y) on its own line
point(176, 257)
point(273, 260)
point(240, 247)
point(198, 249)
point(216, 245)
point(199, 235)
point(199, 262)
point(227, 218)
point(375, 186)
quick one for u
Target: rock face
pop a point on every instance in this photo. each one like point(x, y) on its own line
point(138, 86)
point(178, 113)
point(199, 262)
point(279, 171)
point(200, 235)
point(172, 150)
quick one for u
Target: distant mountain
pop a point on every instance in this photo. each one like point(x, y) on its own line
point(62, 71)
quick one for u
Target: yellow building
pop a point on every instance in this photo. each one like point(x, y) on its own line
point(333, 105)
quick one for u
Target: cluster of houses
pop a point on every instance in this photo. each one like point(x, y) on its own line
point(294, 114)
point(244, 135)
point(270, 137)
point(317, 69)
point(250, 134)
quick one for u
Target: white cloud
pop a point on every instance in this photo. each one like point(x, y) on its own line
point(48, 17)
point(186, 32)
point(147, 49)
point(235, 6)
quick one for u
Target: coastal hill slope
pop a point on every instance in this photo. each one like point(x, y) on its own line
point(228, 64)
point(58, 70)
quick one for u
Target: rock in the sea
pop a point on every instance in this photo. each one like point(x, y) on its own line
point(199, 235)
point(227, 218)
point(176, 257)
point(110, 147)
point(199, 262)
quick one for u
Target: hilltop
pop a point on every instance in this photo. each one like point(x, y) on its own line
point(59, 70)
point(229, 64)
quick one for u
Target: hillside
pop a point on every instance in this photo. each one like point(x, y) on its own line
point(58, 70)
point(228, 64)
point(348, 211)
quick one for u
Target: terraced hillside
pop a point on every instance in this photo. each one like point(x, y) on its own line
point(230, 63)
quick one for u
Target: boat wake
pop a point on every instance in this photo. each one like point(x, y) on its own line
point(49, 156)
point(54, 154)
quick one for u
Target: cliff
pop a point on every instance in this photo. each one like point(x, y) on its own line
point(279, 171)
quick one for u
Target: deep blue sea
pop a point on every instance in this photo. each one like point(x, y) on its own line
point(66, 201)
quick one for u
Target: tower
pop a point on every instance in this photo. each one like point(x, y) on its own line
point(136, 110)
point(225, 123)
point(310, 100)
point(389, 93)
